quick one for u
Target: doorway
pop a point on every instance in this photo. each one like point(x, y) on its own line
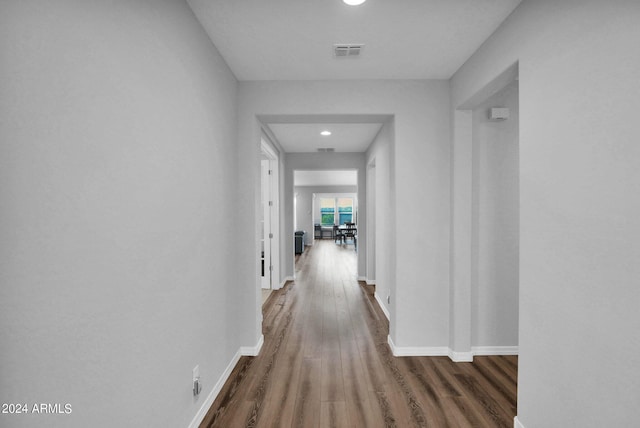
point(495, 228)
point(322, 199)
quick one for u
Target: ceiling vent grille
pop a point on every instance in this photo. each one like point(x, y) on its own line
point(326, 149)
point(348, 50)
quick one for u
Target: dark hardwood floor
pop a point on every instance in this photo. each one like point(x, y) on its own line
point(326, 363)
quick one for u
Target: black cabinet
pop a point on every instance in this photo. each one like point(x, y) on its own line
point(299, 241)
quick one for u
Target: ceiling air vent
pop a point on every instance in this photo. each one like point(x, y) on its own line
point(326, 149)
point(347, 50)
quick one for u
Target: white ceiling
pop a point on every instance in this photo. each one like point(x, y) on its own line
point(293, 39)
point(305, 137)
point(325, 178)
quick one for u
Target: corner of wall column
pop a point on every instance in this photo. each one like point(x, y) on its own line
point(461, 233)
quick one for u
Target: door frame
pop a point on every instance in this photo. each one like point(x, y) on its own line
point(269, 185)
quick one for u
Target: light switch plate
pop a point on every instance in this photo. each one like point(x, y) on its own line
point(197, 386)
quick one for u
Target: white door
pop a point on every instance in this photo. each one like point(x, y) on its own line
point(267, 233)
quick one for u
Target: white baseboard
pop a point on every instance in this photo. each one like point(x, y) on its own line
point(284, 281)
point(206, 405)
point(517, 423)
point(460, 357)
point(381, 304)
point(252, 351)
point(370, 281)
point(437, 351)
point(494, 350)
point(416, 351)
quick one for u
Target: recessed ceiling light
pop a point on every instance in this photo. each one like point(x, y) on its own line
point(354, 2)
point(325, 133)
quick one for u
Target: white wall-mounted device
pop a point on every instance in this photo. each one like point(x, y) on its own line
point(499, 113)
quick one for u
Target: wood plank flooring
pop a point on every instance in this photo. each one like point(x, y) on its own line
point(325, 362)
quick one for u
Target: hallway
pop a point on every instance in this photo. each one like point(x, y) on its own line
point(325, 362)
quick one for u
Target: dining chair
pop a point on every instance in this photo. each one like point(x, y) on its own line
point(337, 234)
point(350, 232)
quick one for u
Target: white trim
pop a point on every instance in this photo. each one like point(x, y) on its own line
point(414, 351)
point(391, 345)
point(517, 423)
point(384, 309)
point(206, 405)
point(370, 281)
point(252, 351)
point(437, 351)
point(362, 278)
point(494, 350)
point(284, 282)
point(460, 357)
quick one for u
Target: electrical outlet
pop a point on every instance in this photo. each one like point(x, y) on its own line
point(197, 386)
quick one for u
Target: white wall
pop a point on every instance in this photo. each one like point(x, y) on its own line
point(496, 232)
point(117, 139)
point(579, 210)
point(420, 157)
